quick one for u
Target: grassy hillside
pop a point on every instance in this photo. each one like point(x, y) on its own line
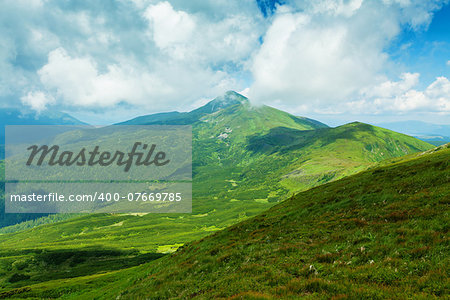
point(382, 233)
point(378, 234)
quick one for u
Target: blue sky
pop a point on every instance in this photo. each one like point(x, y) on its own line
point(428, 50)
point(333, 60)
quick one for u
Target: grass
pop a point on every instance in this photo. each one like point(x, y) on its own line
point(379, 234)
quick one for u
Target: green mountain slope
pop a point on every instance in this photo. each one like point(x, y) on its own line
point(379, 234)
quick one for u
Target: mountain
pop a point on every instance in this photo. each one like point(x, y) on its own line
point(379, 234)
point(229, 99)
point(12, 116)
point(246, 159)
point(432, 133)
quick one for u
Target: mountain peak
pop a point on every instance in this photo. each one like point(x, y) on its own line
point(235, 95)
point(226, 100)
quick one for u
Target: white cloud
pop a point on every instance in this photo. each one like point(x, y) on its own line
point(152, 55)
point(330, 57)
point(202, 40)
point(37, 100)
point(338, 7)
point(185, 57)
point(169, 26)
point(439, 92)
point(448, 63)
point(78, 82)
point(388, 98)
point(393, 88)
point(314, 56)
point(402, 97)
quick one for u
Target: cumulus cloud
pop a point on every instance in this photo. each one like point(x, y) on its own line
point(403, 97)
point(149, 55)
point(154, 55)
point(200, 39)
point(302, 59)
point(392, 97)
point(327, 56)
point(37, 100)
point(388, 89)
point(169, 26)
point(327, 52)
point(79, 82)
point(439, 92)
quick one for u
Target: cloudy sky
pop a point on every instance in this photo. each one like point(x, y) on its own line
point(333, 60)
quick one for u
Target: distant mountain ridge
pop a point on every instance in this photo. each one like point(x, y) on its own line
point(15, 116)
point(437, 134)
